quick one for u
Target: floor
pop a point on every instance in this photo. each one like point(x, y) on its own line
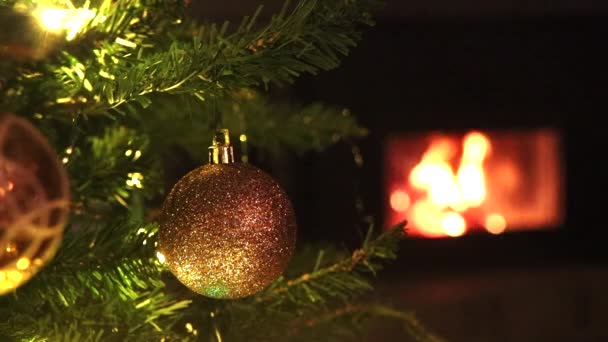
point(566, 303)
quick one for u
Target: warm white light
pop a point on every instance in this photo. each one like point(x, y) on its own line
point(51, 19)
point(15, 276)
point(135, 180)
point(72, 21)
point(161, 258)
point(23, 263)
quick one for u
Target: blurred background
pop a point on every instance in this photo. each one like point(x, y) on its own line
point(485, 127)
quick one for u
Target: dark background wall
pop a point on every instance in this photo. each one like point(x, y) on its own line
point(421, 8)
point(459, 65)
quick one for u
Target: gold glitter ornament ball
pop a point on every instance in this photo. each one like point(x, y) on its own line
point(227, 230)
point(34, 202)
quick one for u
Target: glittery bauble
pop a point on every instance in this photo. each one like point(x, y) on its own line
point(34, 202)
point(228, 230)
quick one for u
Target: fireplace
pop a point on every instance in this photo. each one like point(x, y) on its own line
point(493, 182)
point(519, 84)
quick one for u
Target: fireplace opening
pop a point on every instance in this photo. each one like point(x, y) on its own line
point(449, 184)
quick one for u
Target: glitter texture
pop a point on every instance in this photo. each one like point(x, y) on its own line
point(34, 202)
point(227, 230)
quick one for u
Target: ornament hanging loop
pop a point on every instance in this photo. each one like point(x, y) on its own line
point(221, 152)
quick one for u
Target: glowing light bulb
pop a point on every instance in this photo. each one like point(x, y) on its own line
point(134, 180)
point(161, 257)
point(23, 263)
point(72, 21)
point(51, 19)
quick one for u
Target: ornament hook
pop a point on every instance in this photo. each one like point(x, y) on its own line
point(221, 152)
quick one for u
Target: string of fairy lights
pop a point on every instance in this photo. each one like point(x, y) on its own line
point(66, 19)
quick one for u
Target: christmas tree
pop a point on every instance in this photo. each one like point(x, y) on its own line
point(100, 100)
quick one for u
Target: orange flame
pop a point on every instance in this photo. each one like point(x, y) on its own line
point(496, 224)
point(448, 194)
point(400, 201)
point(494, 182)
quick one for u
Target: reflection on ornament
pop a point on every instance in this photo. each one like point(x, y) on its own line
point(228, 229)
point(34, 202)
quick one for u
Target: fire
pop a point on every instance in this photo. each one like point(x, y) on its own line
point(400, 201)
point(496, 224)
point(445, 194)
point(453, 224)
point(456, 184)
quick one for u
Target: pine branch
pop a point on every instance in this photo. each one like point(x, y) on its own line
point(323, 304)
point(311, 294)
point(341, 279)
point(411, 324)
point(105, 283)
point(101, 283)
point(112, 168)
point(310, 38)
point(297, 128)
point(266, 125)
point(353, 316)
point(132, 54)
point(61, 82)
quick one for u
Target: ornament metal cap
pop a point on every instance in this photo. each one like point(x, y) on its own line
point(221, 152)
